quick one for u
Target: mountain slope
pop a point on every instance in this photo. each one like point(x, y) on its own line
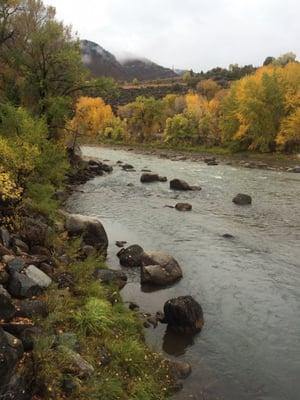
point(102, 63)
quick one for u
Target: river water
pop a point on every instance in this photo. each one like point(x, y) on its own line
point(249, 286)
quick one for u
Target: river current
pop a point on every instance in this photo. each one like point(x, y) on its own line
point(248, 286)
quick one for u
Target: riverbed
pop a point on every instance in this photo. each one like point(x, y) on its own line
point(248, 286)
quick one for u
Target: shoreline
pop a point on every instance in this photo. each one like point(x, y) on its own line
point(272, 162)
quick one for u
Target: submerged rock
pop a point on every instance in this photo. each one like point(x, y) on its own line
point(160, 269)
point(242, 199)
point(131, 256)
point(184, 314)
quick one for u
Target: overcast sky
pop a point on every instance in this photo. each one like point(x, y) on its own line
point(197, 34)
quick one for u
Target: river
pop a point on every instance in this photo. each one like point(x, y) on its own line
point(249, 286)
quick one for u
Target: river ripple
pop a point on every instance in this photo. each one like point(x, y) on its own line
point(249, 287)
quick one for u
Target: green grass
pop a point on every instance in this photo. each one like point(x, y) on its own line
point(88, 312)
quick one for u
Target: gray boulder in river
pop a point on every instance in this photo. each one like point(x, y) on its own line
point(90, 229)
point(160, 269)
point(183, 314)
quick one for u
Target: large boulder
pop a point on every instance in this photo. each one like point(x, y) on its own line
point(90, 229)
point(7, 309)
point(242, 199)
point(38, 276)
point(131, 256)
point(159, 269)
point(184, 314)
point(22, 286)
point(110, 276)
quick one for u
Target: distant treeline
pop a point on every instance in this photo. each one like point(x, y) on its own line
point(259, 112)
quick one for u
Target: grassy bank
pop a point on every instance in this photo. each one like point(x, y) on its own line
point(91, 318)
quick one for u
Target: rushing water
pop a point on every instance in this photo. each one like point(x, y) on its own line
point(249, 286)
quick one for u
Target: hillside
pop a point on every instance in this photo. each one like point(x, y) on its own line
point(102, 63)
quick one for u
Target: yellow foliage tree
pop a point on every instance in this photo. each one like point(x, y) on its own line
point(91, 118)
point(208, 88)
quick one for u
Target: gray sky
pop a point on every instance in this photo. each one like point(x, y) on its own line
point(198, 34)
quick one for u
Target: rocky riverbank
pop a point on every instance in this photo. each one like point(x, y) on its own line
point(272, 162)
point(62, 320)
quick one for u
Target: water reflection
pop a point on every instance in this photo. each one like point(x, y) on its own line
point(176, 343)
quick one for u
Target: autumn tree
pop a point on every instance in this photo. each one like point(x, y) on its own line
point(91, 118)
point(208, 88)
point(144, 117)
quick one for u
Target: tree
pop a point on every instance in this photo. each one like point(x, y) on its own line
point(91, 118)
point(144, 117)
point(208, 88)
point(180, 129)
point(269, 60)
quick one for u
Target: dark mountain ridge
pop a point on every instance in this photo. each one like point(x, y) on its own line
point(103, 63)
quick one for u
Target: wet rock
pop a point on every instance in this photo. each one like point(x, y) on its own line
point(242, 199)
point(38, 276)
point(7, 309)
point(184, 207)
point(212, 163)
point(21, 286)
point(228, 236)
point(133, 306)
point(180, 369)
point(32, 308)
point(178, 184)
point(131, 256)
point(90, 229)
point(17, 328)
point(4, 237)
point(127, 167)
point(184, 314)
point(121, 244)
point(110, 276)
point(148, 178)
point(159, 269)
point(16, 265)
point(8, 361)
